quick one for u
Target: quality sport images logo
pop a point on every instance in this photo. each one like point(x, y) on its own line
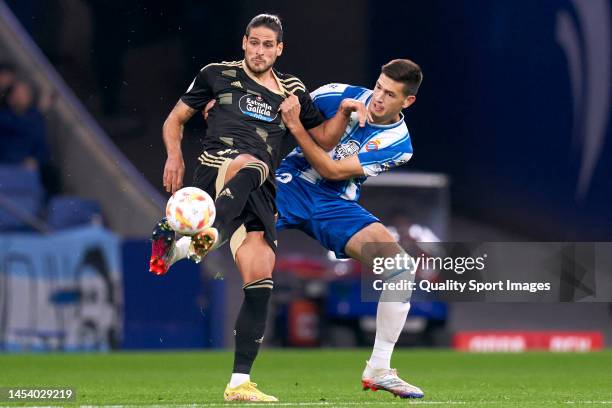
point(255, 106)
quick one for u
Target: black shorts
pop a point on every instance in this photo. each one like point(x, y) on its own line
point(259, 213)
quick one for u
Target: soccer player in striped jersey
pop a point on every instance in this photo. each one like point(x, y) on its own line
point(318, 193)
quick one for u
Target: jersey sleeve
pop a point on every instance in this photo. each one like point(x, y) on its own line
point(200, 92)
point(384, 153)
point(327, 98)
point(309, 114)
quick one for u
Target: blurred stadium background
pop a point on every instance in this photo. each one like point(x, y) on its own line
point(512, 143)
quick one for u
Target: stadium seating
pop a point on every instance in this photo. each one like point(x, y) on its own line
point(21, 195)
point(69, 211)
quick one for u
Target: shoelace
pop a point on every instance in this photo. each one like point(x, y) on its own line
point(253, 385)
point(394, 379)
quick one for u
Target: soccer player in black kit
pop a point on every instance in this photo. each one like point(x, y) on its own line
point(241, 150)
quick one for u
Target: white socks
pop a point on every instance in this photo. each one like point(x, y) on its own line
point(181, 250)
point(390, 320)
point(238, 379)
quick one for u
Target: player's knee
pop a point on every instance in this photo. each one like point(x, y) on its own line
point(250, 275)
point(379, 233)
point(258, 275)
point(247, 161)
point(374, 240)
point(255, 258)
point(244, 157)
point(259, 166)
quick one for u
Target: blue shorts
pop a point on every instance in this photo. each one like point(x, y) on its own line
point(329, 219)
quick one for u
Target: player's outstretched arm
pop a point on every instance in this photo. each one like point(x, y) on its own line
point(328, 134)
point(318, 158)
point(172, 133)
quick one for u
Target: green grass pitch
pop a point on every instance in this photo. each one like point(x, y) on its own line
point(313, 378)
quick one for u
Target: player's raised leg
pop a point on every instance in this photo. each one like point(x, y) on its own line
point(390, 316)
point(244, 174)
point(255, 260)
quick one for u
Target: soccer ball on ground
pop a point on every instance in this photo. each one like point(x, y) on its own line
point(190, 210)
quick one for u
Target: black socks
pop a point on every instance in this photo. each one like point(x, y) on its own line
point(234, 195)
point(251, 323)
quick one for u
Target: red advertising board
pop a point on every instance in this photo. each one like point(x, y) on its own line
point(518, 341)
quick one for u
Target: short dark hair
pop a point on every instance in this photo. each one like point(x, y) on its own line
point(405, 71)
point(270, 21)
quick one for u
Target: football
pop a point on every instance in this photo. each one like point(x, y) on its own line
point(190, 210)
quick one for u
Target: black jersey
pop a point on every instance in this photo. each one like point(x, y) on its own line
point(245, 117)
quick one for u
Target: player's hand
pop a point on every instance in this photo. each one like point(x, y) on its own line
point(208, 107)
point(348, 106)
point(290, 111)
point(174, 170)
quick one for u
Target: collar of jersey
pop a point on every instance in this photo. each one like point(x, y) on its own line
point(389, 126)
point(282, 91)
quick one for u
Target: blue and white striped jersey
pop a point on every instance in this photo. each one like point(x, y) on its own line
point(378, 147)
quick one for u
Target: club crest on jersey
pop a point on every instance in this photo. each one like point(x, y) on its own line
point(255, 106)
point(346, 150)
point(372, 145)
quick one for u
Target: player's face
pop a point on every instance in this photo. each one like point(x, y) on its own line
point(261, 49)
point(388, 100)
